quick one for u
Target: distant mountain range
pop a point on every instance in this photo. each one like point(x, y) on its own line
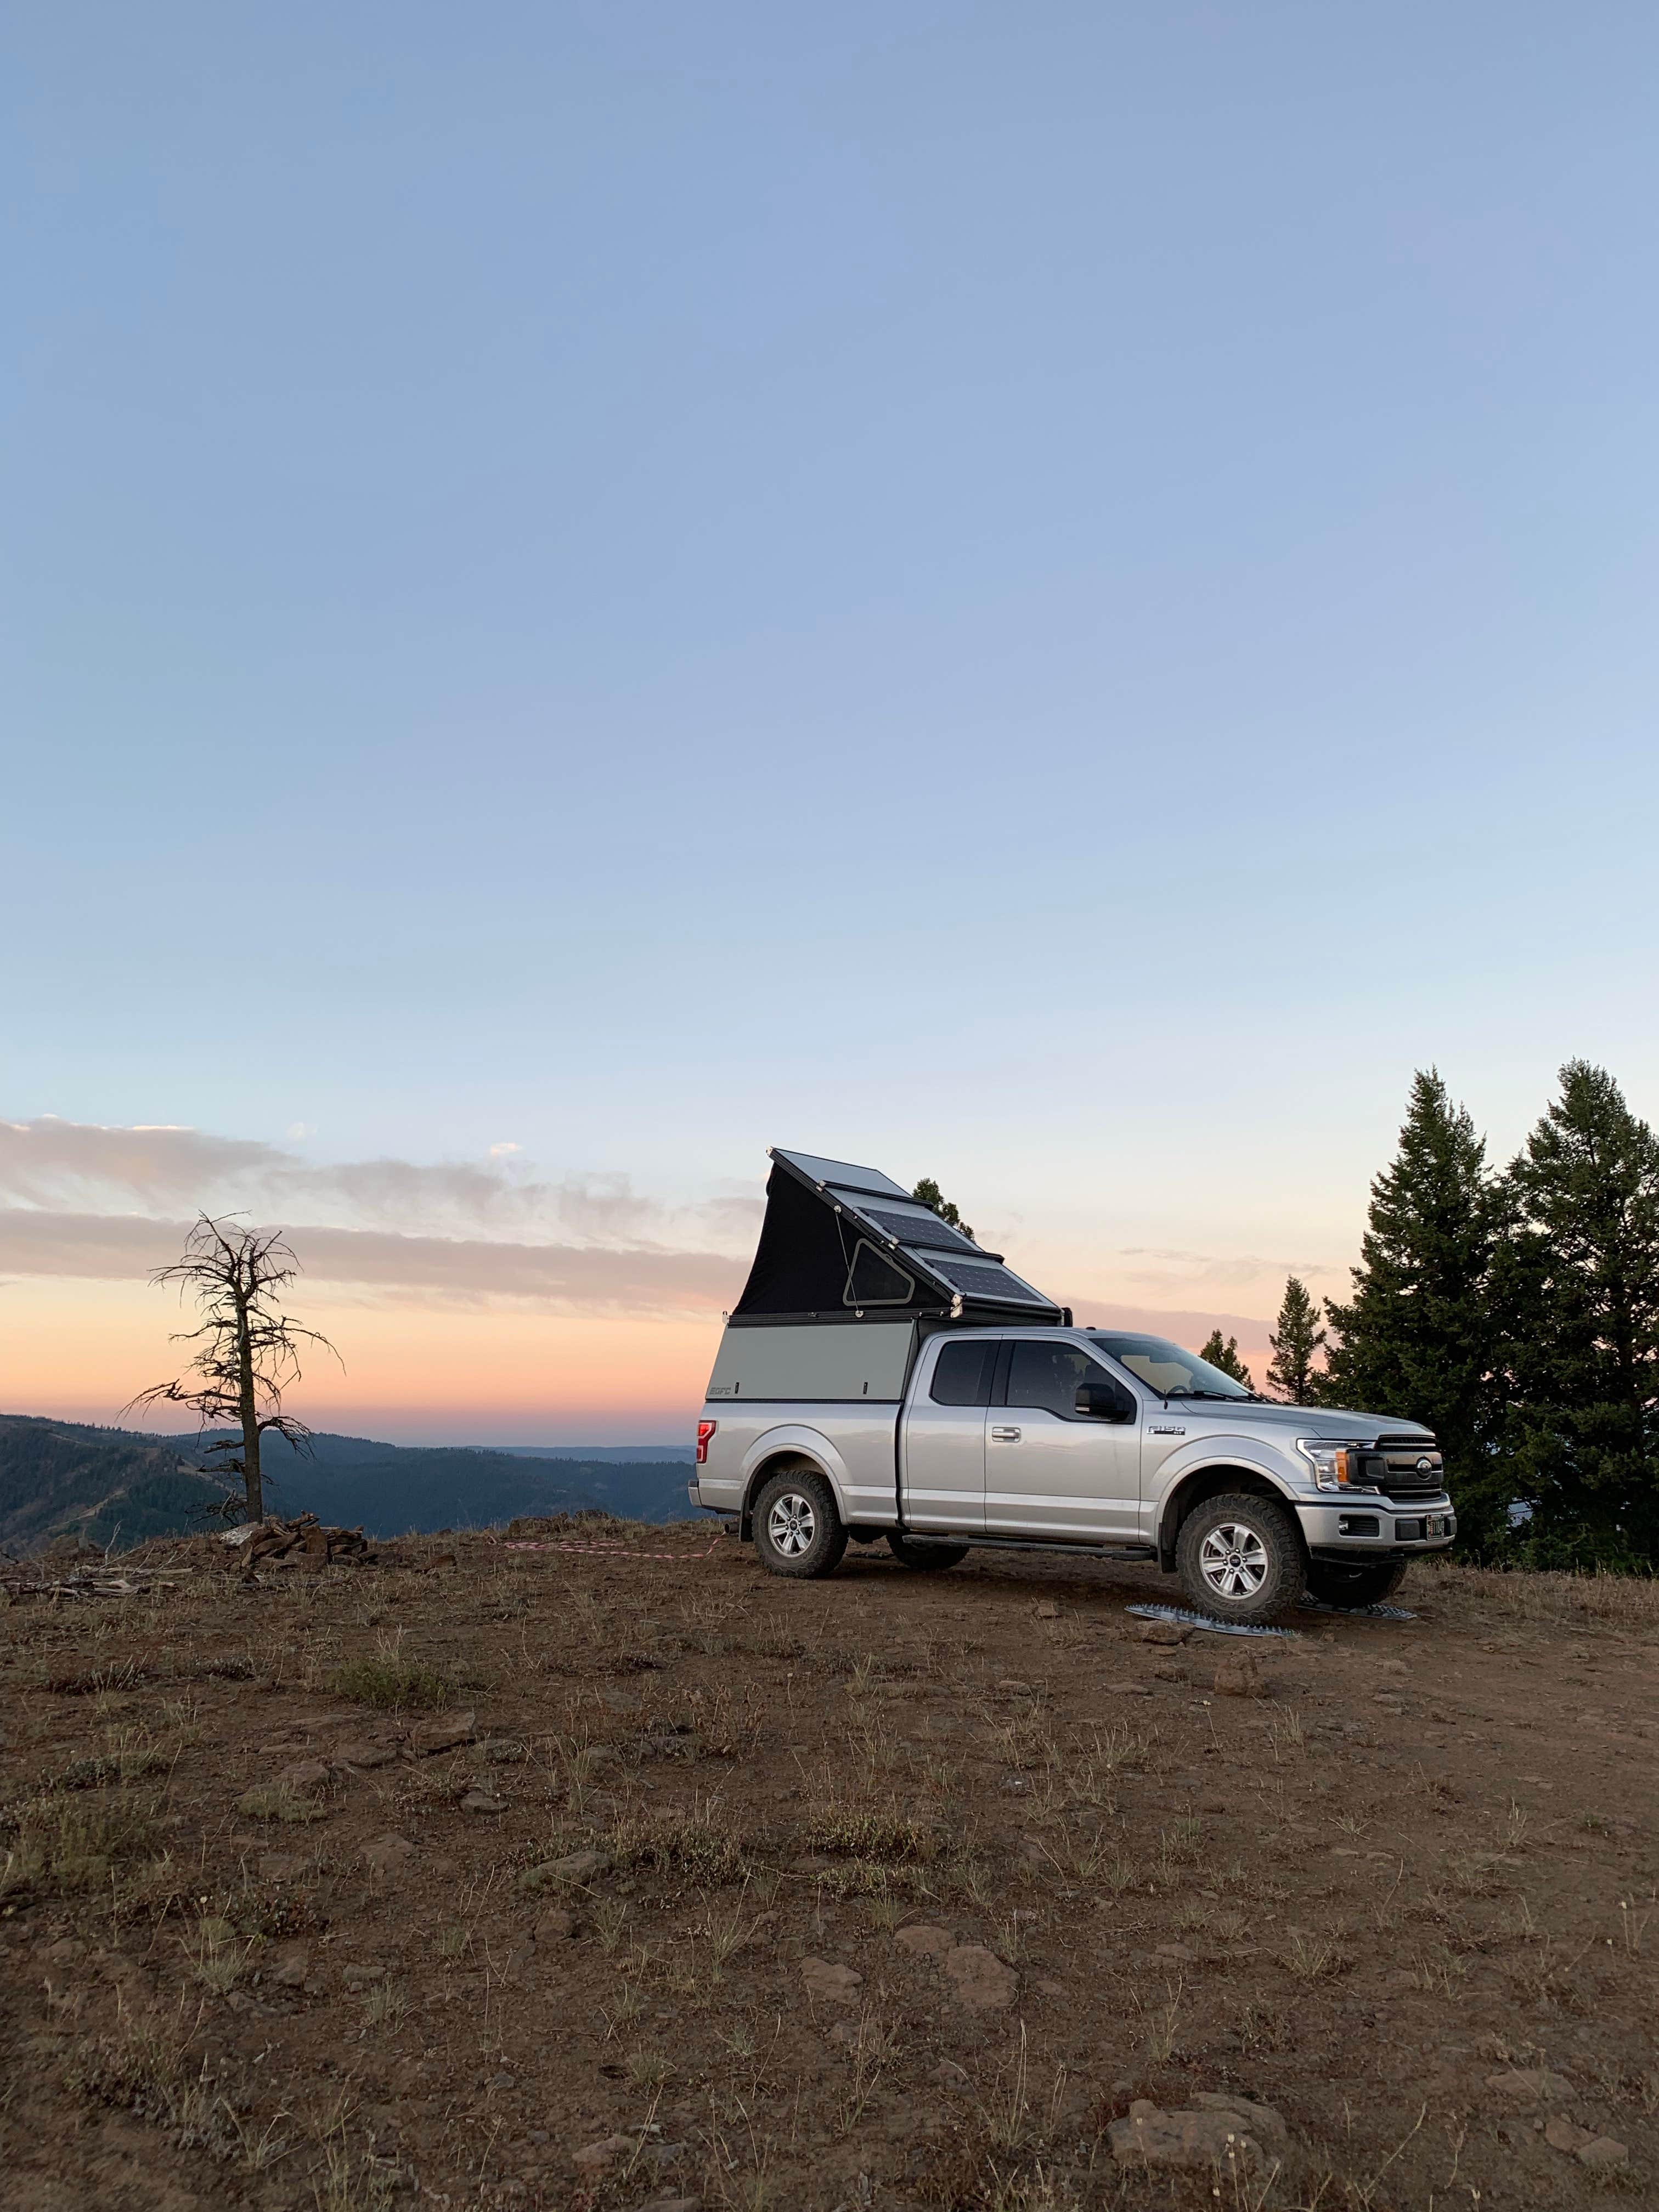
point(682, 1455)
point(111, 1485)
point(58, 1479)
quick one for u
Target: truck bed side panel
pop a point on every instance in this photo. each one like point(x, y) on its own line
point(853, 1445)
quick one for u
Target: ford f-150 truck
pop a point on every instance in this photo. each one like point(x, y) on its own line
point(884, 1377)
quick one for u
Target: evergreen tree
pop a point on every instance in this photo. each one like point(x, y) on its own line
point(927, 1193)
point(1225, 1356)
point(1418, 1338)
point(1582, 1284)
point(1296, 1339)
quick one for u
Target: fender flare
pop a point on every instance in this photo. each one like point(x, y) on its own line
point(1208, 1455)
point(796, 1440)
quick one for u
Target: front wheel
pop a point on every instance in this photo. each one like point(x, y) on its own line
point(1355, 1586)
point(1239, 1558)
point(797, 1531)
point(925, 1558)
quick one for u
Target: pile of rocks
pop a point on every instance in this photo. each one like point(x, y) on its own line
point(303, 1541)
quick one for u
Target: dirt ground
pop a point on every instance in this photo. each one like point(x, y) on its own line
point(625, 1874)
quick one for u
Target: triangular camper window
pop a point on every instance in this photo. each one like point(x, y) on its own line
point(873, 1280)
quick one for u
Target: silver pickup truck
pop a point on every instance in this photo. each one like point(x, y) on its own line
point(883, 1377)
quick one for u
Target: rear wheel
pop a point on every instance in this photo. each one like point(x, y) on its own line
point(798, 1532)
point(925, 1558)
point(1239, 1558)
point(1337, 1583)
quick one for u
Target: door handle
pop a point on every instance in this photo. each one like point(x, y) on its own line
point(1005, 1436)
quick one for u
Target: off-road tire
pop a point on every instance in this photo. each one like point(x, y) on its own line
point(925, 1558)
point(1355, 1585)
point(797, 1531)
point(1239, 1558)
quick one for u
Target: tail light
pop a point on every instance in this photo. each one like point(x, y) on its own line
point(705, 1430)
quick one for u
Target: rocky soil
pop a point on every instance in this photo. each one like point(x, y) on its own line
point(613, 1874)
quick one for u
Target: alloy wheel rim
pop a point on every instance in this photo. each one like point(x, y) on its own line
point(792, 1524)
point(1233, 1561)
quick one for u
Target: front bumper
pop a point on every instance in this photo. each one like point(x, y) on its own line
point(1362, 1524)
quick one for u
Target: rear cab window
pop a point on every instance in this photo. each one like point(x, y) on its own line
point(963, 1373)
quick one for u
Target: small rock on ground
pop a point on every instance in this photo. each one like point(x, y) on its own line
point(919, 1937)
point(293, 1963)
point(1531, 2085)
point(306, 1774)
point(601, 2154)
point(839, 1984)
point(1220, 2130)
point(1582, 2144)
point(980, 1978)
point(444, 1735)
point(364, 1754)
point(387, 1853)
point(579, 1866)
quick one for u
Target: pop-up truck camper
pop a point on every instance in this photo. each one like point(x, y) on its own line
point(883, 1377)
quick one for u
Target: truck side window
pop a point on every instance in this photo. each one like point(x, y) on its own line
point(1048, 1374)
point(962, 1377)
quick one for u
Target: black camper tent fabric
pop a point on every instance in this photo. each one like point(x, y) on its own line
point(816, 1263)
point(801, 1260)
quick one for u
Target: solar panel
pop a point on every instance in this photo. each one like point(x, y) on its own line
point(844, 1172)
point(979, 1278)
point(921, 1227)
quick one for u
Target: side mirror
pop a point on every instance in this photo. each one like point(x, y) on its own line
point(1103, 1401)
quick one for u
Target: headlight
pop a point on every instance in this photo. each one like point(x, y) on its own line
point(1335, 1467)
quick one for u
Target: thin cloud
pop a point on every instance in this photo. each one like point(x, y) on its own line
point(557, 1277)
point(88, 1167)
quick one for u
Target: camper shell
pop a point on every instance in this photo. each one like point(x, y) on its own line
point(850, 1274)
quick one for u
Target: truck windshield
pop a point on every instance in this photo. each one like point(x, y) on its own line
point(1167, 1369)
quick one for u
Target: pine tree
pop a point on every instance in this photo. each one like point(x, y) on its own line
point(1582, 1283)
point(1296, 1339)
point(1418, 1338)
point(1225, 1356)
point(927, 1193)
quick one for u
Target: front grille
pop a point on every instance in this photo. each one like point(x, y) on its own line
point(1402, 1466)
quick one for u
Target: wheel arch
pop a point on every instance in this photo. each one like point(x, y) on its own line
point(1217, 1478)
point(778, 1452)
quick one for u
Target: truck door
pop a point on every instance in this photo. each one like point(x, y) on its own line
point(1049, 1470)
point(944, 1438)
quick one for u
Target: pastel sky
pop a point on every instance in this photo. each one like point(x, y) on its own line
point(1055, 597)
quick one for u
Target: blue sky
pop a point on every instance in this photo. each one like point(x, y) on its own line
point(1056, 597)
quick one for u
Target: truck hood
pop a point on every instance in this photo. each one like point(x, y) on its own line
point(1290, 1421)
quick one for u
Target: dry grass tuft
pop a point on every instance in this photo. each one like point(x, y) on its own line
point(275, 1801)
point(144, 2068)
point(858, 1832)
point(66, 1849)
point(693, 1847)
point(392, 1684)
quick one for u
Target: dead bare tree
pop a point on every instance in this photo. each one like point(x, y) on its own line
point(249, 1348)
